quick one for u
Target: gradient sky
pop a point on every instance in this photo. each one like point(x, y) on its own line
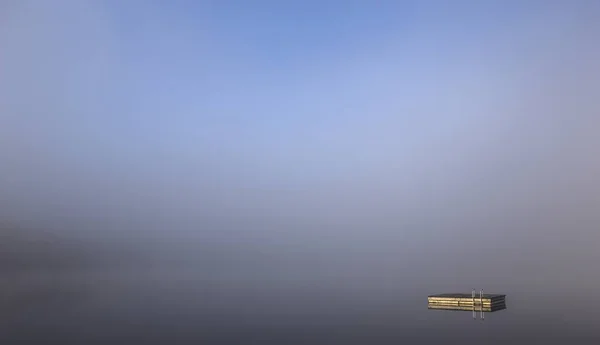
point(383, 129)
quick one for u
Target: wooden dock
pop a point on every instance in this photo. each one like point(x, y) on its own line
point(496, 307)
point(467, 302)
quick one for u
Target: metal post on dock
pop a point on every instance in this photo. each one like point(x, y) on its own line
point(473, 301)
point(481, 302)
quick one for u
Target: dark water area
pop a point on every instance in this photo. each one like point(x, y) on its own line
point(177, 305)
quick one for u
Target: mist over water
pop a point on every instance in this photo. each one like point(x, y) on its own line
point(294, 173)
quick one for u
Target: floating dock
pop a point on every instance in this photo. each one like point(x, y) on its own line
point(467, 302)
point(496, 307)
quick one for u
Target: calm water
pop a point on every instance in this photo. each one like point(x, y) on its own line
point(182, 306)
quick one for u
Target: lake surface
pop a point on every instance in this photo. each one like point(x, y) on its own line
point(175, 305)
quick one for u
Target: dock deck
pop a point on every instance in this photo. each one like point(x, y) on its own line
point(458, 300)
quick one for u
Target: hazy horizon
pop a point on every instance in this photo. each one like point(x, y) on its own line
point(448, 145)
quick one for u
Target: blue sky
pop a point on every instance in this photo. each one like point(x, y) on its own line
point(245, 80)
